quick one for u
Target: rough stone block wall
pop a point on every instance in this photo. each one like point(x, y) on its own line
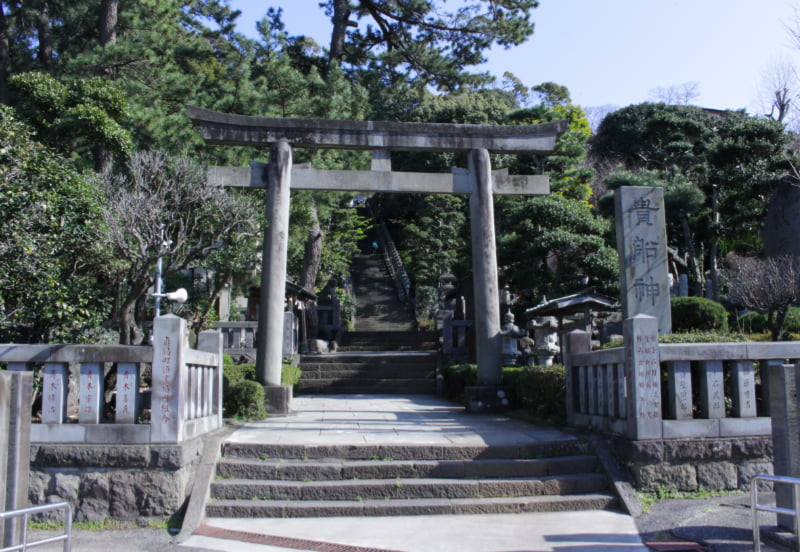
point(694, 464)
point(114, 482)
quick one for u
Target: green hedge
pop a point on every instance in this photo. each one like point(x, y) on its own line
point(754, 322)
point(243, 396)
point(458, 376)
point(698, 314)
point(540, 390)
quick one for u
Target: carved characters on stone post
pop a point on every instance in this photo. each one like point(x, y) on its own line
point(642, 247)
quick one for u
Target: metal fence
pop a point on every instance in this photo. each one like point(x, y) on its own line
point(22, 515)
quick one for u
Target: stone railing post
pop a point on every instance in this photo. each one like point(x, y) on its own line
point(785, 429)
point(447, 332)
point(576, 341)
point(128, 404)
point(643, 375)
point(169, 367)
point(211, 341)
point(16, 389)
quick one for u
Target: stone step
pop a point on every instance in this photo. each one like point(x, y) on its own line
point(416, 452)
point(344, 371)
point(401, 507)
point(337, 470)
point(387, 358)
point(366, 386)
point(271, 480)
point(406, 488)
point(385, 347)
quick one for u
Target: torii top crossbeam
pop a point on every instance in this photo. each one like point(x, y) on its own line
point(243, 130)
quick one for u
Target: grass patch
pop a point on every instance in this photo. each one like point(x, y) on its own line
point(648, 500)
point(105, 525)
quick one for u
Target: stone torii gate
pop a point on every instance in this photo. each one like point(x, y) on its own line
point(381, 137)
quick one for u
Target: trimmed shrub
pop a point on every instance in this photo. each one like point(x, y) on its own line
point(457, 377)
point(540, 390)
point(755, 322)
point(698, 314)
point(245, 399)
point(243, 396)
point(290, 374)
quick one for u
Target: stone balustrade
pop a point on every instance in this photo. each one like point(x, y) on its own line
point(711, 387)
point(185, 390)
point(241, 338)
point(455, 337)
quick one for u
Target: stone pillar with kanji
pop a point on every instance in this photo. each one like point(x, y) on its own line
point(642, 247)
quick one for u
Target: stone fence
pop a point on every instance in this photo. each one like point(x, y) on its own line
point(185, 393)
point(394, 264)
point(241, 338)
point(455, 338)
point(713, 415)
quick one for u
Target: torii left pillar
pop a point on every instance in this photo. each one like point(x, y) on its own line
point(269, 356)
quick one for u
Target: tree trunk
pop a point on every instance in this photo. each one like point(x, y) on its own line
point(5, 57)
point(103, 159)
point(44, 35)
point(694, 267)
point(130, 311)
point(340, 20)
point(107, 32)
point(311, 261)
point(713, 248)
point(776, 324)
point(219, 285)
point(108, 22)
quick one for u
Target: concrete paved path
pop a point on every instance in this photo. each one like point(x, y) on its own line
point(416, 420)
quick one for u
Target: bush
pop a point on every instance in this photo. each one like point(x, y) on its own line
point(698, 314)
point(290, 374)
point(540, 390)
point(240, 399)
point(457, 377)
point(755, 322)
point(245, 399)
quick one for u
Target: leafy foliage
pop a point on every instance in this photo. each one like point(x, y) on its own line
point(552, 244)
point(160, 192)
point(421, 41)
point(50, 286)
point(698, 313)
point(733, 159)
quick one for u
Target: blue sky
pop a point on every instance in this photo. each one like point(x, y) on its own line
point(618, 52)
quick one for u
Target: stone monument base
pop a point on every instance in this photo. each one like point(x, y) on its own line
point(278, 399)
point(489, 398)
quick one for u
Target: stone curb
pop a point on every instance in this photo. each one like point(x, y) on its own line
point(201, 486)
point(622, 486)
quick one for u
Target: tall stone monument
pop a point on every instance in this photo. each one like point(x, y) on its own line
point(642, 247)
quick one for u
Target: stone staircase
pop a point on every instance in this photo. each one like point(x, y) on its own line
point(385, 355)
point(257, 480)
point(405, 373)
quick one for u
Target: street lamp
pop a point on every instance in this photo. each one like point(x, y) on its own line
point(180, 295)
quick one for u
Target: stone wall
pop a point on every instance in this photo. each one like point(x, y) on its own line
point(120, 482)
point(693, 464)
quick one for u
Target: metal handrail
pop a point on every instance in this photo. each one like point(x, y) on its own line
point(756, 507)
point(25, 512)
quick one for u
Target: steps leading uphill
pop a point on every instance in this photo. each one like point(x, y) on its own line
point(352, 480)
point(385, 355)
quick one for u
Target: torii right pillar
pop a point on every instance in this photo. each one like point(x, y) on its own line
point(488, 395)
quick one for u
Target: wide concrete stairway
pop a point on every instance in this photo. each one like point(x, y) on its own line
point(260, 480)
point(385, 354)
